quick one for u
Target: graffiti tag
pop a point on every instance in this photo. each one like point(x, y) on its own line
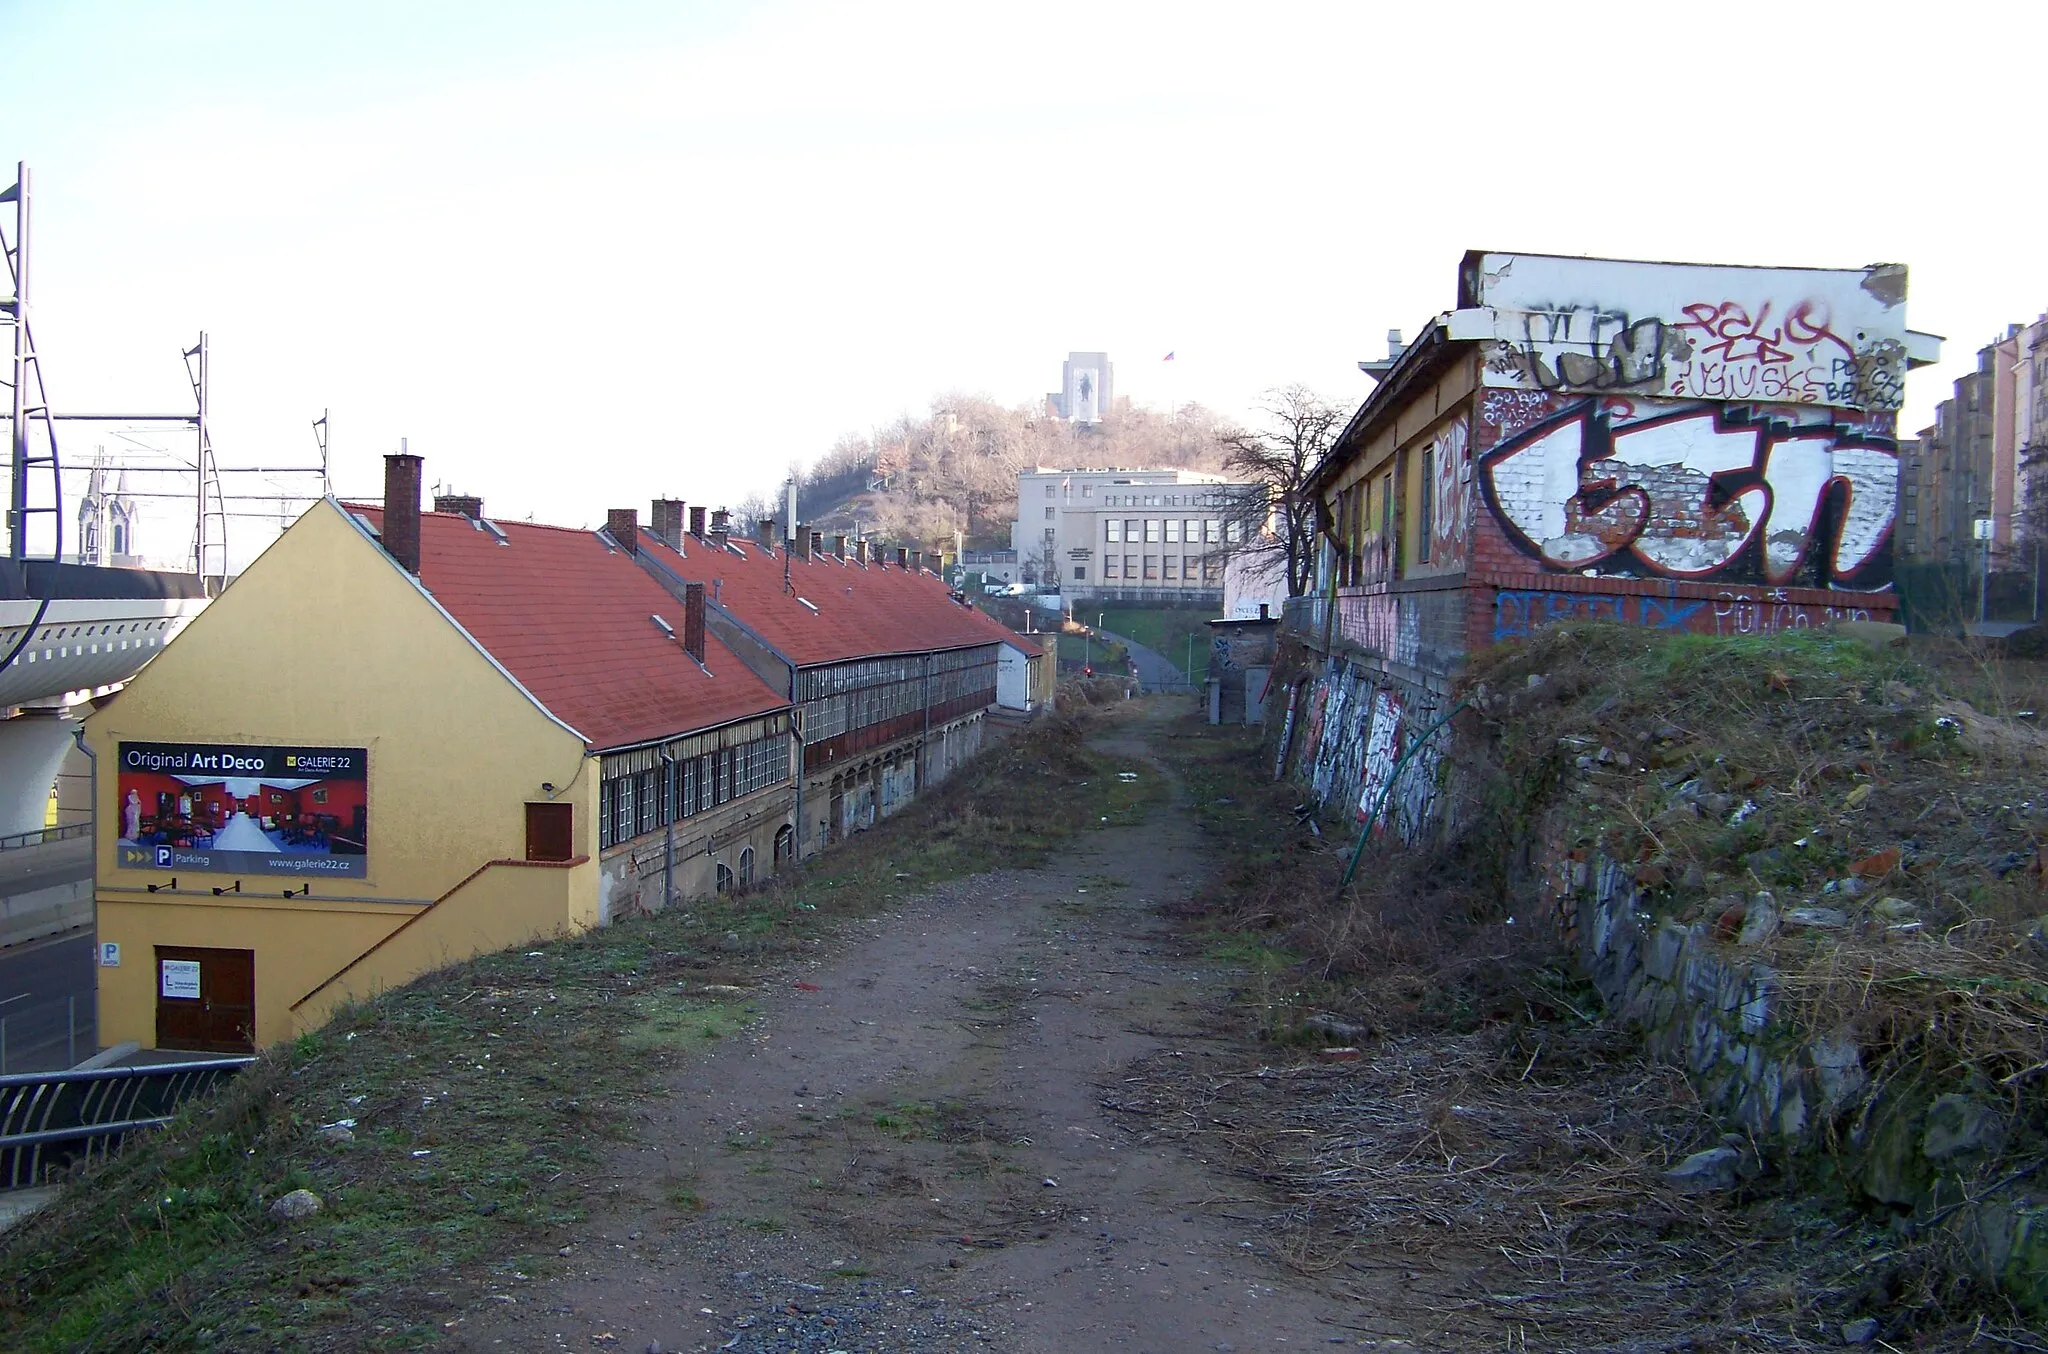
point(1685, 494)
point(1517, 614)
point(1787, 353)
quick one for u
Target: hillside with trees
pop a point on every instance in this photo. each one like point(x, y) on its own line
point(922, 478)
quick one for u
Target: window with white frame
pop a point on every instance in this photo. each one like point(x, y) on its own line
point(638, 793)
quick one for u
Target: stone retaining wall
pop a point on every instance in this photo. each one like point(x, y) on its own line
point(1802, 1097)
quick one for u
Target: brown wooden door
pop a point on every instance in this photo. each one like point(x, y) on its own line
point(206, 999)
point(550, 831)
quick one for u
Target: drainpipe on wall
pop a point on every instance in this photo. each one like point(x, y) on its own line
point(925, 744)
point(668, 838)
point(796, 734)
point(93, 789)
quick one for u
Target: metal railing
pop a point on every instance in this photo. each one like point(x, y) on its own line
point(50, 1121)
point(42, 836)
point(47, 1035)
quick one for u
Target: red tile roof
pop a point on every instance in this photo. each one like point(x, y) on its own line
point(571, 619)
point(854, 611)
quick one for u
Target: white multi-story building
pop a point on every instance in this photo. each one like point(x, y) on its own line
point(1127, 535)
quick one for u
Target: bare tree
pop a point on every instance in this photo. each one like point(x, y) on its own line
point(923, 478)
point(1276, 519)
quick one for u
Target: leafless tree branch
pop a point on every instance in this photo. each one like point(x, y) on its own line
point(1277, 519)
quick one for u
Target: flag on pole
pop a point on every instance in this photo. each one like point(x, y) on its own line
point(1167, 358)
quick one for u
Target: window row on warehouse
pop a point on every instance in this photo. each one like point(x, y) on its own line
point(634, 802)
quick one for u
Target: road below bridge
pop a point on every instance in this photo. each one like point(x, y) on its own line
point(47, 1010)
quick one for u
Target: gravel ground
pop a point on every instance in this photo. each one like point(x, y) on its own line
point(924, 1144)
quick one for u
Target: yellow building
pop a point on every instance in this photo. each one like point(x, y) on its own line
point(380, 751)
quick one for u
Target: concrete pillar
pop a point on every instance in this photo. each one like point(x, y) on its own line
point(32, 748)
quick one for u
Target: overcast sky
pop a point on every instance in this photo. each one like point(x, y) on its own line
point(583, 254)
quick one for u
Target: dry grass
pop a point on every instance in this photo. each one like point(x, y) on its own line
point(1496, 1128)
point(482, 1098)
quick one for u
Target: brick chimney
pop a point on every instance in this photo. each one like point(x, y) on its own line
point(665, 519)
point(693, 620)
point(839, 546)
point(402, 510)
point(903, 557)
point(697, 523)
point(817, 544)
point(469, 505)
point(860, 551)
point(624, 525)
point(917, 561)
point(721, 525)
point(767, 533)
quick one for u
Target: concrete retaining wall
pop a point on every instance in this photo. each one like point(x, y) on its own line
point(45, 912)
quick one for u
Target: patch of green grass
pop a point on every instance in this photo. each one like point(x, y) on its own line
point(1164, 630)
point(907, 1119)
point(1085, 650)
point(1249, 951)
point(672, 1021)
point(685, 1199)
point(482, 1096)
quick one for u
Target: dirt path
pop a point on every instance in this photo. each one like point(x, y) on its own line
point(927, 1143)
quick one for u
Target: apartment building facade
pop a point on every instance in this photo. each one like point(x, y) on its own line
point(1985, 456)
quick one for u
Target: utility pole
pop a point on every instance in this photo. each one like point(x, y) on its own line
point(26, 404)
point(210, 520)
point(320, 440)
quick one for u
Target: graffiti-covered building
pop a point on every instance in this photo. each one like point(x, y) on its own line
point(1677, 446)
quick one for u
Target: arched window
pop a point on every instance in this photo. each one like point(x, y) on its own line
point(724, 879)
point(785, 845)
point(746, 866)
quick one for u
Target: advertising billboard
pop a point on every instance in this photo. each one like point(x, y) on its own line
point(230, 808)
